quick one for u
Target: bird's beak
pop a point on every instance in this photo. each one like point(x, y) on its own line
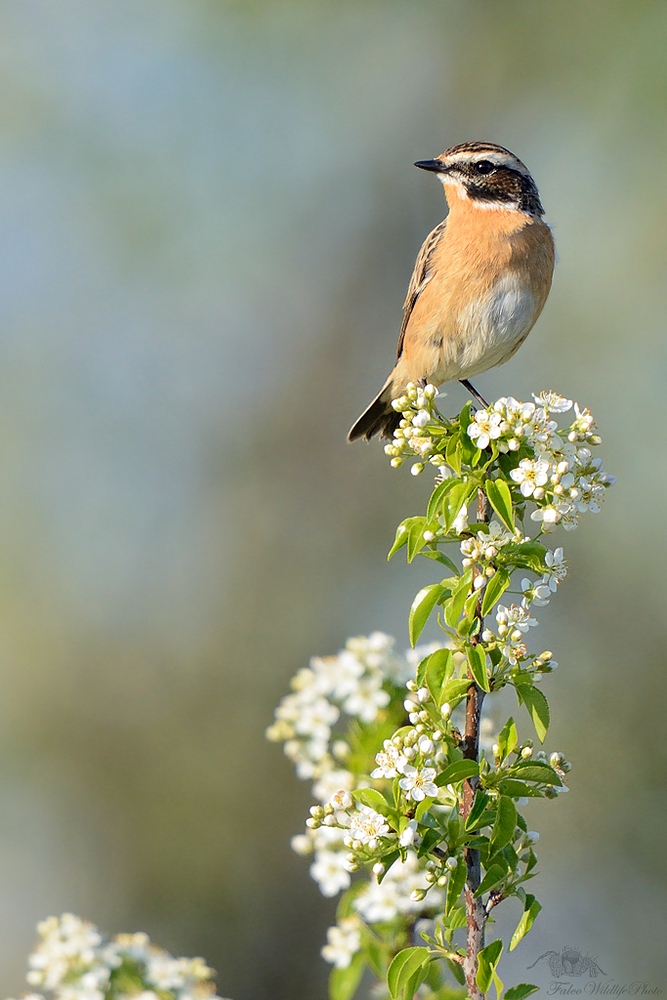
point(437, 166)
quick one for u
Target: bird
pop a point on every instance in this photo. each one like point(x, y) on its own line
point(479, 283)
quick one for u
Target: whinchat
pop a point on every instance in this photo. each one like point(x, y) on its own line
point(480, 279)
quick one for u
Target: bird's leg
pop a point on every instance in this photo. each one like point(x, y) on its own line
point(473, 392)
point(422, 382)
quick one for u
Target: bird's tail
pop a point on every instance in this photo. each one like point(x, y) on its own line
point(380, 417)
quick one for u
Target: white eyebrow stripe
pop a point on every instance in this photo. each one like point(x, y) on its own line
point(500, 159)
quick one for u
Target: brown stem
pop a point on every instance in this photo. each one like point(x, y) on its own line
point(475, 912)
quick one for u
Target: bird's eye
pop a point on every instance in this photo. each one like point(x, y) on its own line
point(484, 166)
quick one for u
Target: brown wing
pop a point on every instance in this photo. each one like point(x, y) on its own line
point(420, 277)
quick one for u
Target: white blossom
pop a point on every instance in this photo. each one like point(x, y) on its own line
point(530, 475)
point(390, 761)
point(409, 837)
point(538, 593)
point(418, 783)
point(380, 902)
point(331, 782)
point(556, 568)
point(485, 427)
point(343, 942)
point(367, 826)
point(368, 698)
point(550, 400)
point(330, 873)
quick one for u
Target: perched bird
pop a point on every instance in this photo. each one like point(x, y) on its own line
point(480, 280)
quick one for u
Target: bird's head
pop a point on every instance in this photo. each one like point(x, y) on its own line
point(487, 174)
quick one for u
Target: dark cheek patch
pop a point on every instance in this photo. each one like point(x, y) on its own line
point(505, 186)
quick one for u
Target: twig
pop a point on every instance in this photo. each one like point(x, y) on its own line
point(475, 910)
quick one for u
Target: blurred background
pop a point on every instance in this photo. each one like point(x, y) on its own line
point(208, 219)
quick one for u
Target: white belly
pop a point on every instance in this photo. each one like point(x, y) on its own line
point(491, 329)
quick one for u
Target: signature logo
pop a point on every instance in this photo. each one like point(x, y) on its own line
point(570, 962)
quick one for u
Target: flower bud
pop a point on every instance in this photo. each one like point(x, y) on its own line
point(527, 752)
point(451, 864)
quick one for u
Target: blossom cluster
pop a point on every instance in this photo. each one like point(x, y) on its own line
point(73, 962)
point(555, 468)
point(353, 682)
point(562, 478)
point(364, 681)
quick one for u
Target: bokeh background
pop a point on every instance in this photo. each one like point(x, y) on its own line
point(208, 218)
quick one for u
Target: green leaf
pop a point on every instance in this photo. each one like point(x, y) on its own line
point(503, 828)
point(527, 770)
point(458, 771)
point(524, 555)
point(457, 880)
point(494, 875)
point(530, 911)
point(437, 498)
point(422, 606)
point(538, 708)
point(469, 624)
point(343, 982)
point(423, 808)
point(439, 669)
point(403, 967)
point(372, 798)
point(479, 804)
point(416, 540)
point(521, 991)
point(455, 691)
point(441, 558)
point(454, 606)
point(387, 860)
point(455, 920)
point(488, 960)
point(458, 496)
point(495, 589)
point(401, 538)
point(477, 663)
point(517, 789)
point(459, 975)
point(465, 416)
point(508, 738)
point(500, 499)
point(453, 453)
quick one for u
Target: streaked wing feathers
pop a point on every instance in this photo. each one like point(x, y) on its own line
point(420, 278)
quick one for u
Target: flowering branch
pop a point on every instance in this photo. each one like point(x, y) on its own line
point(411, 790)
point(72, 961)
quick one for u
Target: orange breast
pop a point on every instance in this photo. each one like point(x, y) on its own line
point(490, 277)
